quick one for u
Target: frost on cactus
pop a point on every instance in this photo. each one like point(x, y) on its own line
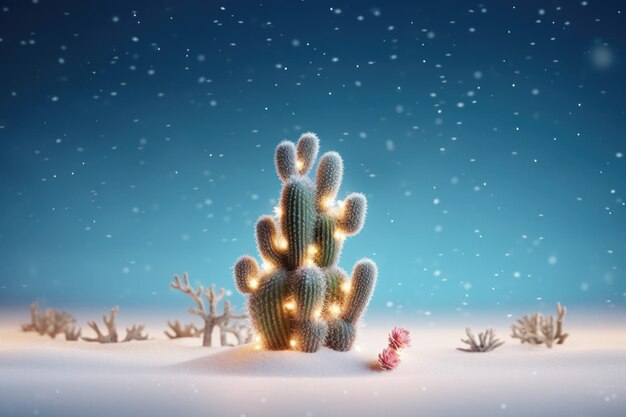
point(301, 299)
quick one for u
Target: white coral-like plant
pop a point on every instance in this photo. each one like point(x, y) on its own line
point(486, 341)
point(537, 329)
point(132, 333)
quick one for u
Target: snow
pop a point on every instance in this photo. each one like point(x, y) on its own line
point(160, 377)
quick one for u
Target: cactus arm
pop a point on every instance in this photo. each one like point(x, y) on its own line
point(328, 179)
point(307, 148)
point(342, 330)
point(297, 221)
point(352, 216)
point(267, 240)
point(338, 286)
point(285, 160)
point(341, 335)
point(327, 243)
point(309, 293)
point(246, 274)
point(362, 285)
point(267, 311)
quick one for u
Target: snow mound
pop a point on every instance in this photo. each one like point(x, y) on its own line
point(248, 361)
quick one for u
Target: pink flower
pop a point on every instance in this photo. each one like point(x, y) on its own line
point(388, 359)
point(399, 338)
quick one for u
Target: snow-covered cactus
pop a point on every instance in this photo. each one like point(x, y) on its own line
point(300, 299)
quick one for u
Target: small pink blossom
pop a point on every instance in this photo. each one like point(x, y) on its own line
point(388, 359)
point(399, 338)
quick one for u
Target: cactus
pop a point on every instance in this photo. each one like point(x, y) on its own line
point(301, 299)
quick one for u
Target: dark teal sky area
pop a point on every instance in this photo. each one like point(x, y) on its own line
point(137, 141)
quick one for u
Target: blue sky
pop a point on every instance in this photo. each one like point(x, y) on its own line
point(137, 140)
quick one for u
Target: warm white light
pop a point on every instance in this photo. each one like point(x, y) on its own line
point(282, 243)
point(267, 266)
point(335, 310)
point(254, 283)
point(311, 250)
point(309, 262)
point(258, 339)
point(328, 202)
point(346, 286)
point(317, 313)
point(339, 235)
point(299, 164)
point(278, 211)
point(290, 305)
point(292, 343)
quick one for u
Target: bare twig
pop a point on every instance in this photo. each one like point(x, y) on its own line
point(537, 329)
point(50, 322)
point(132, 333)
point(178, 330)
point(111, 336)
point(58, 321)
point(34, 324)
point(72, 333)
point(208, 314)
point(486, 341)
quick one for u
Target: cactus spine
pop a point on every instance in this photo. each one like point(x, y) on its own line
point(301, 299)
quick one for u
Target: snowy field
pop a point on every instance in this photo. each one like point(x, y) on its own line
point(159, 377)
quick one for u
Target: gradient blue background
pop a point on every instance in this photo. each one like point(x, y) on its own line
point(137, 140)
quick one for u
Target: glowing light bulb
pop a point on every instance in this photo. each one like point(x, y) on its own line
point(340, 205)
point(278, 211)
point(346, 286)
point(282, 243)
point(335, 310)
point(254, 283)
point(267, 266)
point(311, 250)
point(309, 262)
point(292, 343)
point(339, 235)
point(299, 164)
point(328, 202)
point(290, 305)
